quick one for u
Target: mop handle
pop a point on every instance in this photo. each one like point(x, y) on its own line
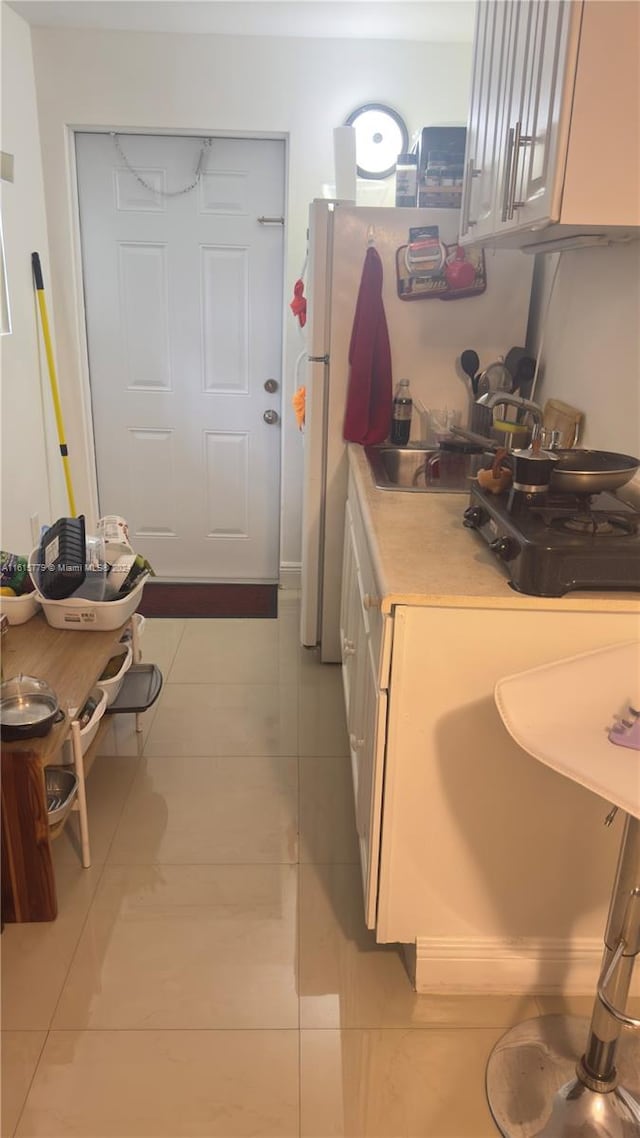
point(64, 452)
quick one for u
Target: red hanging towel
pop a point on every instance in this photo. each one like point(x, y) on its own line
point(369, 396)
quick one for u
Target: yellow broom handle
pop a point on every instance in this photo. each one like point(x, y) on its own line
point(64, 453)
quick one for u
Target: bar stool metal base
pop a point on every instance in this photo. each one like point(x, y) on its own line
point(533, 1091)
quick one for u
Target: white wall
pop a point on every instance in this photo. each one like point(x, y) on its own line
point(591, 342)
point(31, 469)
point(297, 88)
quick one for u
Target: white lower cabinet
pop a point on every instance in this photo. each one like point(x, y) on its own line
point(366, 705)
point(349, 605)
point(496, 870)
point(367, 763)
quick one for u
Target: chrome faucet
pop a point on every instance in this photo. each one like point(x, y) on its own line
point(493, 399)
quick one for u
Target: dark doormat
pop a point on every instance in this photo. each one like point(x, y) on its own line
point(181, 599)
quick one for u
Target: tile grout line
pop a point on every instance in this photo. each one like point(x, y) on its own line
point(126, 798)
point(410, 1028)
point(95, 892)
point(31, 1082)
point(175, 652)
point(77, 945)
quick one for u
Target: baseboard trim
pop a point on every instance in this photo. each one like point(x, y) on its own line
point(496, 965)
point(291, 575)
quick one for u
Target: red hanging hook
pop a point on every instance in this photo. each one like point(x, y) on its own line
point(299, 303)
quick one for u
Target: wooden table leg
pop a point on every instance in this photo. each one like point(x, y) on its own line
point(28, 882)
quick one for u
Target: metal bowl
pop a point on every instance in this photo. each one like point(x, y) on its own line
point(61, 785)
point(590, 471)
point(28, 708)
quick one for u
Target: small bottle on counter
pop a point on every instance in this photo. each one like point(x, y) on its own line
point(401, 414)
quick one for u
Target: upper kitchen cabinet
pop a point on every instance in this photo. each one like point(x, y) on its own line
point(482, 146)
point(554, 124)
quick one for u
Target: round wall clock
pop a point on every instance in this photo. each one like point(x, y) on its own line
point(381, 135)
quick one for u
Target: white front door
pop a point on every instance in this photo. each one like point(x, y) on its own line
point(183, 297)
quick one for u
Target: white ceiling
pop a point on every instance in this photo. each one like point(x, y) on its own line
point(436, 21)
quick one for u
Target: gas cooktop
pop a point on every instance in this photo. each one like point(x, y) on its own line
point(552, 544)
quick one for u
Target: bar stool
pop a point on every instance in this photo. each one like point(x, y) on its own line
point(556, 1076)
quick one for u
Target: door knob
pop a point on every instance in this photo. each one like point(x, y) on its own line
point(271, 417)
point(271, 385)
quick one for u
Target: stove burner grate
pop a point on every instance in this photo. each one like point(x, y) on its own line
point(582, 518)
point(597, 525)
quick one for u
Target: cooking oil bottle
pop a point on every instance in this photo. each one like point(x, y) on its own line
point(401, 414)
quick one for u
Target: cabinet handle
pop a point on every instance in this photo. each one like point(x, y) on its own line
point(370, 602)
point(348, 648)
point(471, 173)
point(507, 175)
point(514, 171)
point(516, 141)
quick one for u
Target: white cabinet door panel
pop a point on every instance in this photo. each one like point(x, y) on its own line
point(349, 607)
point(366, 703)
point(483, 128)
point(532, 156)
point(542, 114)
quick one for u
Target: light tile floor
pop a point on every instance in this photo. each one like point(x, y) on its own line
point(211, 974)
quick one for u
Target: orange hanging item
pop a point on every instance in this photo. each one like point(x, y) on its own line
point(299, 303)
point(298, 400)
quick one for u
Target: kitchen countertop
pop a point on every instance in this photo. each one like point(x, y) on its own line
point(423, 555)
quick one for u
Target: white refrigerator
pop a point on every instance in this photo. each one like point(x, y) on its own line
point(426, 338)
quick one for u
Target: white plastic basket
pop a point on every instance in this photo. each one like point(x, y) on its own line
point(112, 686)
point(139, 620)
point(89, 732)
point(91, 616)
point(19, 610)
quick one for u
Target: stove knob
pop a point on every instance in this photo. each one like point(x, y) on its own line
point(505, 547)
point(474, 517)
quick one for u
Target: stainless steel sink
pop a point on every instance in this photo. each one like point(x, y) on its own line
point(405, 468)
point(399, 468)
